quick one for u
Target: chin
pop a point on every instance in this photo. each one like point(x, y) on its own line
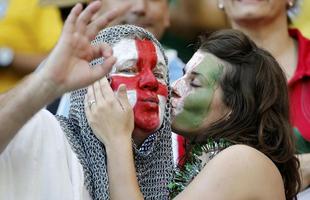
point(147, 125)
point(187, 132)
point(179, 130)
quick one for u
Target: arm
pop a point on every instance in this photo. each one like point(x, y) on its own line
point(304, 160)
point(65, 69)
point(26, 63)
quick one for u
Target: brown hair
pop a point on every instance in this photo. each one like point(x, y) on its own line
point(255, 89)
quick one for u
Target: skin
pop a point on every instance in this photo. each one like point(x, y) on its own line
point(220, 174)
point(247, 10)
point(141, 67)
point(153, 15)
point(67, 68)
point(194, 103)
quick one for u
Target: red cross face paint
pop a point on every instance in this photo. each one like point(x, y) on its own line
point(141, 67)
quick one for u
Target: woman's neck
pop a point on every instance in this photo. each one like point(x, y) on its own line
point(273, 37)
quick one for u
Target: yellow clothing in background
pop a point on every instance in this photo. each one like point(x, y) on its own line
point(25, 27)
point(302, 21)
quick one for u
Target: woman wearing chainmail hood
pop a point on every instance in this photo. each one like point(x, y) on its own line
point(62, 159)
point(148, 93)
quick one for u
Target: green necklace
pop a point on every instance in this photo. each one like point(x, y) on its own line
point(194, 164)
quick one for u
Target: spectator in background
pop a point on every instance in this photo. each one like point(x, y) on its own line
point(28, 33)
point(267, 23)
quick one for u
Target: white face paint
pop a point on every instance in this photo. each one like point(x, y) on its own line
point(132, 97)
point(126, 53)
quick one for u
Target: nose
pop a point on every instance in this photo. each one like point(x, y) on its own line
point(148, 81)
point(139, 7)
point(177, 87)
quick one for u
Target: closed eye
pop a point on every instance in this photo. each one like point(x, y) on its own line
point(195, 85)
point(195, 82)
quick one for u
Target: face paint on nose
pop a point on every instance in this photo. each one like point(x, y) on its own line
point(148, 91)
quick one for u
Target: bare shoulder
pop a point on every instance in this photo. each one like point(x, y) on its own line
point(246, 161)
point(238, 172)
point(243, 156)
point(251, 168)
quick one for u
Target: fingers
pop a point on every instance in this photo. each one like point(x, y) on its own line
point(101, 94)
point(72, 17)
point(100, 97)
point(101, 70)
point(101, 22)
point(107, 90)
point(102, 50)
point(85, 17)
point(89, 97)
point(122, 97)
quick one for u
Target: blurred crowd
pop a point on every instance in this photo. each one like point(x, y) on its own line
point(30, 29)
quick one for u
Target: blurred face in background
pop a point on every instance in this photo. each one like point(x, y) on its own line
point(251, 10)
point(153, 15)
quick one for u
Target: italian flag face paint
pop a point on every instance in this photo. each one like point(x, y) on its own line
point(196, 90)
point(141, 67)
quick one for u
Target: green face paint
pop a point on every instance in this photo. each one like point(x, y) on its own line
point(196, 107)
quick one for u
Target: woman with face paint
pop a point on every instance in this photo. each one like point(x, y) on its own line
point(267, 23)
point(232, 105)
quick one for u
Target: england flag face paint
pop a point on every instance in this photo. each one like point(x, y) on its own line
point(141, 67)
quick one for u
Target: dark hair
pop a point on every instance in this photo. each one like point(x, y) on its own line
point(255, 89)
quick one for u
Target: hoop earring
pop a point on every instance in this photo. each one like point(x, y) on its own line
point(220, 6)
point(290, 4)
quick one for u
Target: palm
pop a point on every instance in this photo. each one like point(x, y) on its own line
point(68, 65)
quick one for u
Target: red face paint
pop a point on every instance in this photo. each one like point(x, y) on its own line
point(146, 109)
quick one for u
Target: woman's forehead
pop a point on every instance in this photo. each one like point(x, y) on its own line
point(203, 62)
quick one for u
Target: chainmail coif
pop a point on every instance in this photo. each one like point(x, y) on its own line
point(153, 160)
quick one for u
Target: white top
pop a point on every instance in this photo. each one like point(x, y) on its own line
point(39, 164)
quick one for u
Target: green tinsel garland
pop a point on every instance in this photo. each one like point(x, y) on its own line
point(183, 177)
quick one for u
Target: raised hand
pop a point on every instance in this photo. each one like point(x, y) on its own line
point(67, 67)
point(109, 115)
